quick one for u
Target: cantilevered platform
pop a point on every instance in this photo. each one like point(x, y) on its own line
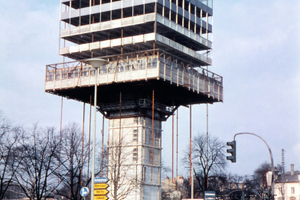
point(136, 75)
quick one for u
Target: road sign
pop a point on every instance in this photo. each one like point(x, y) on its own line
point(100, 186)
point(100, 197)
point(209, 195)
point(100, 192)
point(101, 180)
point(84, 191)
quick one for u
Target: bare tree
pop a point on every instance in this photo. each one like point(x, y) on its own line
point(122, 169)
point(73, 162)
point(9, 163)
point(232, 180)
point(36, 153)
point(120, 180)
point(71, 165)
point(217, 183)
point(208, 159)
point(41, 165)
point(259, 180)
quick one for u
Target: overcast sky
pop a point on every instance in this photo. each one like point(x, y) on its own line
point(255, 48)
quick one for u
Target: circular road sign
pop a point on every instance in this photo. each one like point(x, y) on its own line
point(84, 191)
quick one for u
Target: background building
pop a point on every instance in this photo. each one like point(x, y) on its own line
point(287, 186)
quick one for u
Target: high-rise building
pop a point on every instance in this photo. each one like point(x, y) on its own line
point(157, 51)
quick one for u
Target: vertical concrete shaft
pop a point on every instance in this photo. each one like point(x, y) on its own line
point(134, 165)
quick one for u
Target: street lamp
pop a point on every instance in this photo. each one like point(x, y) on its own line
point(96, 63)
point(271, 157)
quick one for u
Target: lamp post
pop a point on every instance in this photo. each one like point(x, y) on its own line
point(192, 182)
point(96, 63)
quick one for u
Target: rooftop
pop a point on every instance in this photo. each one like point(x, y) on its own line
point(289, 177)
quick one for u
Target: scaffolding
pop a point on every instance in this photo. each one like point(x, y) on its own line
point(156, 52)
point(142, 67)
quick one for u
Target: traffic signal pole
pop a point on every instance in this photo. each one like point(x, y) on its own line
point(271, 156)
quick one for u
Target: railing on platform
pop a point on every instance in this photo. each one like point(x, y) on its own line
point(153, 64)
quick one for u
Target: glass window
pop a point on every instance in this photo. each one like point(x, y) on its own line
point(135, 135)
point(135, 154)
point(292, 190)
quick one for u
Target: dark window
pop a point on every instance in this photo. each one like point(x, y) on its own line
point(138, 10)
point(149, 8)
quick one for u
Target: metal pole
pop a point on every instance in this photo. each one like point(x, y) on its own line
point(94, 136)
point(102, 156)
point(207, 184)
point(120, 122)
point(192, 186)
point(282, 176)
point(243, 195)
point(89, 151)
point(172, 148)
point(82, 144)
point(176, 147)
point(60, 133)
point(152, 134)
point(207, 145)
point(190, 143)
point(271, 157)
point(60, 123)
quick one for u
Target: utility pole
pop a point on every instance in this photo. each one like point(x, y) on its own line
point(282, 175)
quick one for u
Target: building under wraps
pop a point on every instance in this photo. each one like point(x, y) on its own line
point(158, 53)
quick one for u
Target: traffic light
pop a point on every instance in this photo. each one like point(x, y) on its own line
point(267, 194)
point(232, 151)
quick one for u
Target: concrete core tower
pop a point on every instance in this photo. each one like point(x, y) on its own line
point(156, 51)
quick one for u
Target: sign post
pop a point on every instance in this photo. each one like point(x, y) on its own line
point(100, 188)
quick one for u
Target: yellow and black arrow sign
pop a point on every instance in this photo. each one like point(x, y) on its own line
point(100, 192)
point(100, 197)
point(100, 186)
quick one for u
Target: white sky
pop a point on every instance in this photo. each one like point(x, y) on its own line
point(256, 50)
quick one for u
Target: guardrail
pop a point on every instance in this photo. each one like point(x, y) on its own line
point(136, 67)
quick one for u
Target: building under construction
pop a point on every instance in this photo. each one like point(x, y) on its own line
point(157, 51)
